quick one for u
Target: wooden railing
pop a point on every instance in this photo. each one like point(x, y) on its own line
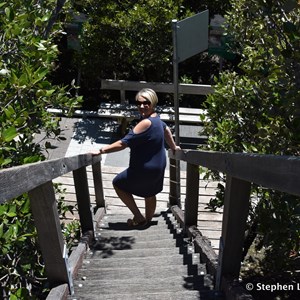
point(36, 179)
point(276, 172)
point(159, 87)
point(241, 170)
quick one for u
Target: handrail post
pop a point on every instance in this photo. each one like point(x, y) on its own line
point(236, 208)
point(122, 96)
point(174, 196)
point(98, 184)
point(83, 200)
point(46, 219)
point(192, 195)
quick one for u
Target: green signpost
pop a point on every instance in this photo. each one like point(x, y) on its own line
point(190, 37)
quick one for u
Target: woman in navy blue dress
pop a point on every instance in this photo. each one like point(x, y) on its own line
point(145, 174)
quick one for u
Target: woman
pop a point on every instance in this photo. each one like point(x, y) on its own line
point(145, 174)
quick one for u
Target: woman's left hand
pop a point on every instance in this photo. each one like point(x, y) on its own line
point(176, 148)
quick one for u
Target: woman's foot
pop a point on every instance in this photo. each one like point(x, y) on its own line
point(134, 222)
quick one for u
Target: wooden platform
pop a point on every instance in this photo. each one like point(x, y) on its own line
point(209, 223)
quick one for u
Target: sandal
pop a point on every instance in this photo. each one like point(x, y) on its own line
point(133, 223)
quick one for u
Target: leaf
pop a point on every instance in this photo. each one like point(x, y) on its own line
point(40, 74)
point(8, 234)
point(26, 206)
point(9, 111)
point(12, 211)
point(31, 159)
point(20, 121)
point(5, 161)
point(9, 134)
point(50, 92)
point(7, 11)
point(1, 230)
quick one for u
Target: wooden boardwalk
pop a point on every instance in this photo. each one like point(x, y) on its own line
point(209, 223)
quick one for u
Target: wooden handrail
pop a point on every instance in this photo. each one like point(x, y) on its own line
point(36, 179)
point(279, 173)
point(159, 87)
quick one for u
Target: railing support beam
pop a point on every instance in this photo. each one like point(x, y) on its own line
point(98, 185)
point(192, 195)
point(46, 219)
point(174, 196)
point(83, 200)
point(236, 208)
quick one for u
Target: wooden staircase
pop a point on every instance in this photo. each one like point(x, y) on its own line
point(143, 263)
point(153, 262)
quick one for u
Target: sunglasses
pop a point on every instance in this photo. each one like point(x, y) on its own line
point(145, 103)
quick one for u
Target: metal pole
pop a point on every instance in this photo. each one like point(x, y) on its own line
point(175, 81)
point(176, 106)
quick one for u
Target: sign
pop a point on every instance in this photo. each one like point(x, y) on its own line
point(192, 35)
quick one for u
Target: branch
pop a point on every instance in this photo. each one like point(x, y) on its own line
point(54, 16)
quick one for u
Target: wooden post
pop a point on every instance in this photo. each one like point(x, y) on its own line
point(98, 184)
point(46, 219)
point(236, 208)
point(122, 95)
point(174, 196)
point(192, 195)
point(83, 200)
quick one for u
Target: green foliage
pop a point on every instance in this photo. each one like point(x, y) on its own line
point(215, 7)
point(22, 270)
point(27, 59)
point(29, 32)
point(256, 109)
point(129, 38)
point(70, 229)
point(132, 40)
point(19, 246)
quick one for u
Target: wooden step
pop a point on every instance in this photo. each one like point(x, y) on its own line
point(176, 295)
point(132, 253)
point(143, 285)
point(137, 235)
point(122, 243)
point(137, 272)
point(134, 262)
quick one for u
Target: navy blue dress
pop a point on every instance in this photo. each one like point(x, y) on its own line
point(145, 174)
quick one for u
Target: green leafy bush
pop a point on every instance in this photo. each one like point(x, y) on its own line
point(22, 270)
point(256, 109)
point(28, 55)
point(129, 39)
point(29, 33)
point(18, 269)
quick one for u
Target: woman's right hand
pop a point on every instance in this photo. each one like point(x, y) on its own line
point(95, 152)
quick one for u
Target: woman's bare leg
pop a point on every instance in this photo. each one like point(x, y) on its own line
point(128, 200)
point(150, 206)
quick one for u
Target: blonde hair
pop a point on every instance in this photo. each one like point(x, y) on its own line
point(148, 94)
